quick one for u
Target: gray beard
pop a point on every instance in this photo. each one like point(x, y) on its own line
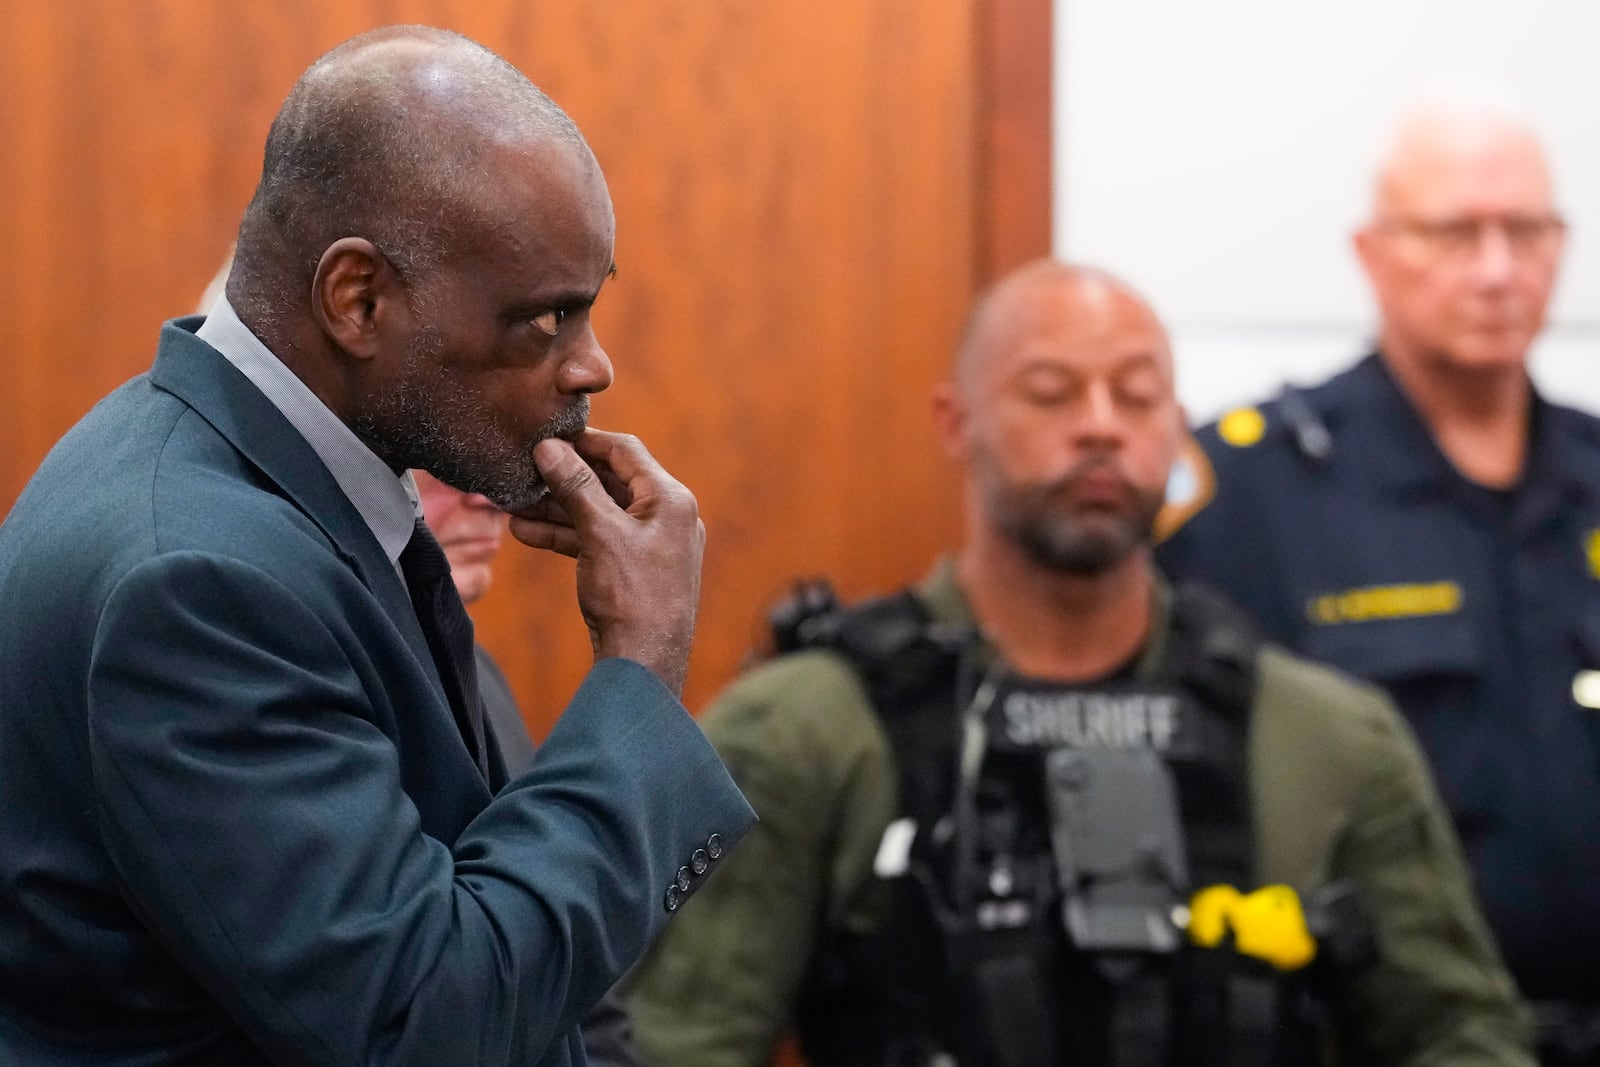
point(1068, 543)
point(1073, 546)
point(471, 463)
point(438, 428)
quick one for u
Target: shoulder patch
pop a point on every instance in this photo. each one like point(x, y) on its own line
point(1242, 427)
point(1190, 486)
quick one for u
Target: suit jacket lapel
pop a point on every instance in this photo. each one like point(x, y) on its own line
point(200, 376)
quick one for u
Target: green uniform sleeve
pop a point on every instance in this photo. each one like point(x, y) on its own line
point(720, 987)
point(1344, 793)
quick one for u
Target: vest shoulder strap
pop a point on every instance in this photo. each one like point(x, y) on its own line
point(900, 653)
point(892, 642)
point(1213, 648)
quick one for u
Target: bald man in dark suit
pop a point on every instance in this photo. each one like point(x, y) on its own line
point(252, 812)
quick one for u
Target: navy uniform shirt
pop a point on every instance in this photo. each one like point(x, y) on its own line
point(1334, 516)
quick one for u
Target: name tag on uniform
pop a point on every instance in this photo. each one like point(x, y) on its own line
point(1403, 600)
point(1034, 717)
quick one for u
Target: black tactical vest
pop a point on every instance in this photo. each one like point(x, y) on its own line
point(986, 955)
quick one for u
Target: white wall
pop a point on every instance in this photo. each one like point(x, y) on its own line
point(1217, 155)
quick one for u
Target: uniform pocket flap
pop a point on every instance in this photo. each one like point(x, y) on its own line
point(1386, 650)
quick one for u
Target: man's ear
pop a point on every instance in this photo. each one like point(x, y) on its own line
point(950, 418)
point(1364, 242)
point(353, 288)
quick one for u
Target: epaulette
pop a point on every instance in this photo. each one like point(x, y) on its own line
point(1292, 417)
point(1232, 445)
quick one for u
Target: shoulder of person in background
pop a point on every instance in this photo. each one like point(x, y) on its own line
point(1344, 795)
point(802, 741)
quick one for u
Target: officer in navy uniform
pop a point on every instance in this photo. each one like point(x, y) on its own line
point(1427, 521)
point(1043, 808)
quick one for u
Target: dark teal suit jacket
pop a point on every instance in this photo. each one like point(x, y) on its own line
point(238, 824)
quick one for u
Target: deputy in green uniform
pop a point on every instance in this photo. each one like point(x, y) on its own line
point(1046, 809)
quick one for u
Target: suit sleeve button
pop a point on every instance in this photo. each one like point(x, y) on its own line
point(682, 882)
point(674, 898)
point(699, 861)
point(714, 846)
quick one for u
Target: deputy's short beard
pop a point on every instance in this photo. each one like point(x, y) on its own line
point(1082, 547)
point(1083, 543)
point(431, 422)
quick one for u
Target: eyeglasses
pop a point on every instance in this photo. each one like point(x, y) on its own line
point(1461, 238)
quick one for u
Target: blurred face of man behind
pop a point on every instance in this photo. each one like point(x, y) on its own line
point(1064, 413)
point(468, 527)
point(1464, 244)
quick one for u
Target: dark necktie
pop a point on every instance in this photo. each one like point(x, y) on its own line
point(449, 632)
